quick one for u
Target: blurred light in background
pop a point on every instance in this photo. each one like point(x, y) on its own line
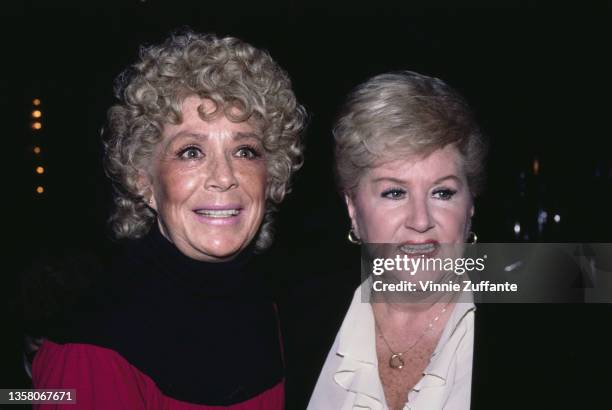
point(36, 125)
point(542, 219)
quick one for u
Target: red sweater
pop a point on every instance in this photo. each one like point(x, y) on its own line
point(104, 380)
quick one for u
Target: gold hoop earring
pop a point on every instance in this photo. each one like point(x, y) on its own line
point(353, 238)
point(472, 238)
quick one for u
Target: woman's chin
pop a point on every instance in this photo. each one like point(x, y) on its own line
point(220, 251)
point(222, 254)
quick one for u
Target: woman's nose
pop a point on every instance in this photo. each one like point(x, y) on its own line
point(220, 174)
point(419, 215)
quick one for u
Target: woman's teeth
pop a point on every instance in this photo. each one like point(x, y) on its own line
point(418, 249)
point(218, 213)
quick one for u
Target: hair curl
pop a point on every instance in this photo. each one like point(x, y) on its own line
point(229, 72)
point(404, 113)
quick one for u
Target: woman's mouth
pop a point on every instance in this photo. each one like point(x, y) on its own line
point(218, 213)
point(427, 249)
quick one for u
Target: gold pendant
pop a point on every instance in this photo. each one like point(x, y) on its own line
point(396, 361)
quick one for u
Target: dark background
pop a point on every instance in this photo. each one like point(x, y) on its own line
point(536, 74)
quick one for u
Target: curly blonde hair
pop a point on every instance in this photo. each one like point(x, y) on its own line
point(227, 71)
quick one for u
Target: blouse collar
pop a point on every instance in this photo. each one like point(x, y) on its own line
point(358, 369)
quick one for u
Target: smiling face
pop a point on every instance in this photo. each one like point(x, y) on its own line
point(413, 201)
point(207, 182)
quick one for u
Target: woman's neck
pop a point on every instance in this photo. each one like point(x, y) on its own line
point(410, 313)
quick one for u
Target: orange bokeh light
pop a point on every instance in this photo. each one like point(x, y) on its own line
point(40, 170)
point(40, 190)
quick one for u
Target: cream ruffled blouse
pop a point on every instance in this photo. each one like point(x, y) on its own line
point(350, 379)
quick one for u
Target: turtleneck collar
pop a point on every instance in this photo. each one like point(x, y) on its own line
point(155, 255)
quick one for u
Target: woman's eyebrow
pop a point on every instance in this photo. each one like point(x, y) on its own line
point(170, 141)
point(182, 134)
point(235, 135)
point(451, 176)
point(389, 179)
point(402, 182)
point(246, 135)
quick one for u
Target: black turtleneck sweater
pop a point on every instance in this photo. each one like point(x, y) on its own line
point(205, 333)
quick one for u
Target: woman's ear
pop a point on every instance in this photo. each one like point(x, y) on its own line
point(352, 211)
point(468, 225)
point(145, 189)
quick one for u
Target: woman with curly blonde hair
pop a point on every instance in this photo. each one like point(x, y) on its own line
point(200, 149)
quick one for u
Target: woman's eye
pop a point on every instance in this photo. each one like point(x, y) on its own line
point(247, 152)
point(394, 193)
point(190, 153)
point(444, 194)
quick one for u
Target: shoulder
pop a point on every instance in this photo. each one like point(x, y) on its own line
point(100, 376)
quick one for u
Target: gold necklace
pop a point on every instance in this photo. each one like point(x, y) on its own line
point(396, 361)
